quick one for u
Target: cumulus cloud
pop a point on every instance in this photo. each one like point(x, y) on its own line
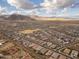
point(3, 10)
point(24, 4)
point(57, 3)
point(47, 7)
point(55, 7)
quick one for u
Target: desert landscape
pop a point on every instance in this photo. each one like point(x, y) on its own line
point(39, 39)
point(39, 29)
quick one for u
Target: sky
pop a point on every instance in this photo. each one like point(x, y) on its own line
point(49, 8)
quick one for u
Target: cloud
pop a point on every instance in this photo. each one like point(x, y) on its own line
point(56, 7)
point(22, 12)
point(3, 11)
point(55, 4)
point(24, 4)
point(47, 7)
